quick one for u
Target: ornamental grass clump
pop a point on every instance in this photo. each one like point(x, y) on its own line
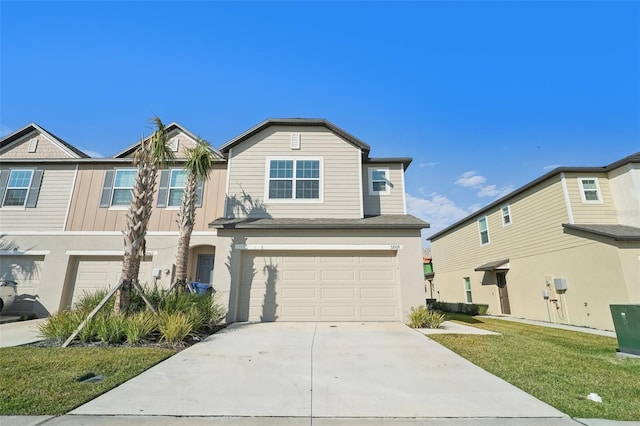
point(421, 317)
point(139, 326)
point(174, 327)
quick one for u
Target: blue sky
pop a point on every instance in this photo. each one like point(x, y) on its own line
point(485, 96)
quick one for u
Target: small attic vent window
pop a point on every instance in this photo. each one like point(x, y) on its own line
point(33, 145)
point(295, 140)
point(173, 144)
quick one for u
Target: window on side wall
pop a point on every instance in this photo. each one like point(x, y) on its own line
point(20, 187)
point(506, 215)
point(379, 183)
point(177, 184)
point(483, 228)
point(467, 289)
point(590, 190)
point(293, 179)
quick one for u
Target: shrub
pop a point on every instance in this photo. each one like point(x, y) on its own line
point(88, 300)
point(109, 328)
point(463, 308)
point(420, 317)
point(59, 326)
point(174, 327)
point(139, 326)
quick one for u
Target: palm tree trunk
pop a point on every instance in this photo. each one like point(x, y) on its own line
point(186, 220)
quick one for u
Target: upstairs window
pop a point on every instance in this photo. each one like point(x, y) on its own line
point(123, 187)
point(483, 228)
point(506, 215)
point(20, 188)
point(294, 179)
point(177, 184)
point(590, 190)
point(379, 182)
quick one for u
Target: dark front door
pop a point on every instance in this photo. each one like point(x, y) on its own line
point(504, 294)
point(204, 272)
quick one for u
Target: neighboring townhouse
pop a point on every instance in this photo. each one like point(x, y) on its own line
point(561, 248)
point(296, 222)
point(64, 237)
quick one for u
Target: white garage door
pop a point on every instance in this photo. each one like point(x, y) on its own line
point(319, 286)
point(102, 272)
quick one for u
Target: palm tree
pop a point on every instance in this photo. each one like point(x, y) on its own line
point(198, 165)
point(152, 154)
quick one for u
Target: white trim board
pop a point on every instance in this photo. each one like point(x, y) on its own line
point(24, 253)
point(317, 247)
point(103, 253)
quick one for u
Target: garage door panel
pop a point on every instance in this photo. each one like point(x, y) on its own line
point(338, 275)
point(321, 286)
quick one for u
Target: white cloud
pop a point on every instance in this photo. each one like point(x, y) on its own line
point(436, 209)
point(428, 164)
point(470, 179)
point(92, 154)
point(551, 167)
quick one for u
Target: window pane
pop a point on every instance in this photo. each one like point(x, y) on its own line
point(178, 178)
point(482, 223)
point(378, 175)
point(280, 189)
point(484, 237)
point(281, 169)
point(308, 189)
point(121, 197)
point(589, 184)
point(308, 169)
point(379, 186)
point(20, 179)
point(125, 178)
point(591, 195)
point(175, 197)
point(15, 197)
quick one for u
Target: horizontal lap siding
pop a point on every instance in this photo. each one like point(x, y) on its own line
point(602, 213)
point(393, 203)
point(625, 189)
point(537, 217)
point(53, 200)
point(340, 170)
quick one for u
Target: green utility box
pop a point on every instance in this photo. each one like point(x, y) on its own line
point(626, 320)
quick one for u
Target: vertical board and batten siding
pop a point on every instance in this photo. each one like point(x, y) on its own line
point(45, 148)
point(537, 216)
point(625, 191)
point(52, 203)
point(601, 213)
point(87, 215)
point(392, 203)
point(341, 179)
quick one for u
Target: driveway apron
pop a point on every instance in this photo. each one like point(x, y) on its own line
point(319, 370)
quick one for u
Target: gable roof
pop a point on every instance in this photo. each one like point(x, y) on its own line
point(295, 122)
point(633, 158)
point(65, 146)
point(168, 128)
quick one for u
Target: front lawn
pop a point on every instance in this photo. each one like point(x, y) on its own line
point(556, 366)
point(42, 381)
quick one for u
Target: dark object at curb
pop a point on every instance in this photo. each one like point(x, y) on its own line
point(90, 378)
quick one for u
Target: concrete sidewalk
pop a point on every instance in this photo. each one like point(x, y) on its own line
point(554, 325)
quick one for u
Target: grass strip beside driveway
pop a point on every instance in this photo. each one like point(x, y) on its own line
point(556, 366)
point(42, 381)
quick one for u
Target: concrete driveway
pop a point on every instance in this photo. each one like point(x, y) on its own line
point(320, 371)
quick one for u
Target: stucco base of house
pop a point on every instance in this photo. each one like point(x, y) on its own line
point(596, 275)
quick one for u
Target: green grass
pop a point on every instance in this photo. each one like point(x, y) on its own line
point(42, 381)
point(556, 366)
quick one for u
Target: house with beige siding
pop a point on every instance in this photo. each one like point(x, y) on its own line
point(295, 223)
point(560, 249)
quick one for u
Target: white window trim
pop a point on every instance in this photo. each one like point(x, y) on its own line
point(504, 224)
point(486, 220)
point(582, 189)
point(6, 190)
point(387, 181)
point(113, 190)
point(169, 188)
point(293, 194)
